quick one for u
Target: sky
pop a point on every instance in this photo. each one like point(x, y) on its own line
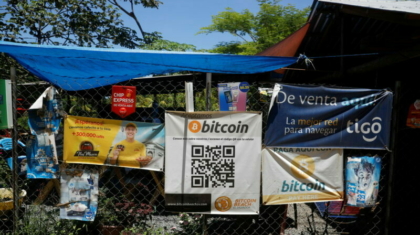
point(180, 20)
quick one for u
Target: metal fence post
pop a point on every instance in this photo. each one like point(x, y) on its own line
point(14, 153)
point(208, 91)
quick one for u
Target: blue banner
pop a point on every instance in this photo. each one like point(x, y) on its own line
point(318, 116)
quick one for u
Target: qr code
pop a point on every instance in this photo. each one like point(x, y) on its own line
point(212, 166)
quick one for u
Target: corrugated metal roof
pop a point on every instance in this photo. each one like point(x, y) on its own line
point(357, 39)
point(400, 6)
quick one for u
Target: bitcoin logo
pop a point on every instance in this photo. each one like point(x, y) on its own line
point(223, 204)
point(194, 126)
point(303, 166)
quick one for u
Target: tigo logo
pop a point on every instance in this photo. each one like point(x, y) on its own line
point(365, 128)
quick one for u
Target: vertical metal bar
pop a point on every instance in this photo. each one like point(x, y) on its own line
point(208, 91)
point(174, 102)
point(283, 218)
point(394, 126)
point(342, 46)
point(14, 153)
point(208, 108)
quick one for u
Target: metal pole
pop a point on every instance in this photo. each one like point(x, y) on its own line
point(14, 153)
point(208, 108)
point(208, 91)
point(394, 126)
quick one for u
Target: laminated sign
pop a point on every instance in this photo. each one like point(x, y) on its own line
point(123, 100)
point(44, 122)
point(232, 96)
point(79, 192)
point(114, 143)
point(213, 162)
point(324, 117)
point(298, 175)
point(362, 180)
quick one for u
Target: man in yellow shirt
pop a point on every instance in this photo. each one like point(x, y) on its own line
point(129, 152)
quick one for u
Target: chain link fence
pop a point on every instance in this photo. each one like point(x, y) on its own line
point(143, 191)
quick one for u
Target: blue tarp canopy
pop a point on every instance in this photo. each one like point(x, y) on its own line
point(79, 68)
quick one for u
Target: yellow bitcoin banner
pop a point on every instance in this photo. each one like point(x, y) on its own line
point(300, 175)
point(114, 142)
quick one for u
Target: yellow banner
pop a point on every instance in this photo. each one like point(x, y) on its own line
point(113, 142)
point(300, 198)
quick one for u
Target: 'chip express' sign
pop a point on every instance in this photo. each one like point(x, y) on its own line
point(123, 100)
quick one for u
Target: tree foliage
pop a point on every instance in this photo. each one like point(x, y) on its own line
point(93, 23)
point(271, 24)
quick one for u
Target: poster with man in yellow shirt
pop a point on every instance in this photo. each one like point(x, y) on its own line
point(114, 143)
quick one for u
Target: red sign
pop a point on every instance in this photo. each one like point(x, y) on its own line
point(123, 100)
point(413, 117)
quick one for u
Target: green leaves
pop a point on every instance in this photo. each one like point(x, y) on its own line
point(71, 22)
point(238, 24)
point(259, 31)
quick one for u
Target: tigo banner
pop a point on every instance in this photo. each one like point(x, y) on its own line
point(114, 142)
point(322, 117)
point(213, 162)
point(297, 175)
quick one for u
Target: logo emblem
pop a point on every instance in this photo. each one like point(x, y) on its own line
point(303, 166)
point(86, 146)
point(194, 126)
point(365, 128)
point(223, 204)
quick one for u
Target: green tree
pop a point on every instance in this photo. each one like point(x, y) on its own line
point(271, 24)
point(93, 23)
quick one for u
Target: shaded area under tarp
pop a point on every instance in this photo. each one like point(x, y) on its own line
point(78, 68)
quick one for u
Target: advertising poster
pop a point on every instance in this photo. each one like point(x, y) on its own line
point(6, 121)
point(44, 122)
point(123, 100)
point(114, 143)
point(362, 180)
point(42, 160)
point(45, 113)
point(79, 194)
point(213, 162)
point(324, 117)
point(413, 117)
point(232, 96)
point(300, 175)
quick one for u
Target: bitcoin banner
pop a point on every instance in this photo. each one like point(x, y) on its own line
point(213, 162)
point(114, 142)
point(297, 175)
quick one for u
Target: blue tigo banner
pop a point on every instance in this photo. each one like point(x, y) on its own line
point(318, 116)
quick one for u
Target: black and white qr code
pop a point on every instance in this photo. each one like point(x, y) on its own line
point(212, 166)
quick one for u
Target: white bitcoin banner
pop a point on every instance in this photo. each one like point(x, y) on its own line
point(213, 162)
point(297, 175)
